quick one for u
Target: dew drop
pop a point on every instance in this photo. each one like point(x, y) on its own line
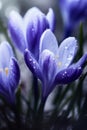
point(33, 62)
point(34, 67)
point(65, 72)
point(66, 47)
point(79, 67)
point(63, 75)
point(33, 29)
point(66, 64)
point(69, 57)
point(30, 60)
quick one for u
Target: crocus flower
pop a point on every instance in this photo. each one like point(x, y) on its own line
point(26, 31)
point(73, 11)
point(9, 72)
point(54, 65)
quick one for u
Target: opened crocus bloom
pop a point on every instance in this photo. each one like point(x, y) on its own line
point(26, 31)
point(9, 72)
point(73, 11)
point(54, 65)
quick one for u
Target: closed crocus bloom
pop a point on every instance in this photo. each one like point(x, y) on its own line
point(73, 11)
point(9, 72)
point(54, 65)
point(26, 31)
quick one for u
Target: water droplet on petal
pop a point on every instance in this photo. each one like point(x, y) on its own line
point(65, 72)
point(34, 67)
point(30, 60)
point(33, 62)
point(33, 29)
point(79, 68)
point(66, 64)
point(69, 57)
point(66, 47)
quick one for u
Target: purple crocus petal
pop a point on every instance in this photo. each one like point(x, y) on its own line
point(17, 30)
point(9, 79)
point(3, 82)
point(13, 74)
point(37, 23)
point(71, 73)
point(48, 41)
point(5, 54)
point(48, 66)
point(67, 51)
point(9, 72)
point(51, 19)
point(34, 11)
point(32, 64)
point(4, 90)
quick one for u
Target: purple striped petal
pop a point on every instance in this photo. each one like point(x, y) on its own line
point(48, 66)
point(67, 51)
point(48, 41)
point(71, 73)
point(37, 23)
point(16, 28)
point(32, 64)
point(13, 74)
point(9, 79)
point(5, 54)
point(51, 19)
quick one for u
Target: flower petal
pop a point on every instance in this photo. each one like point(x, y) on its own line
point(3, 82)
point(67, 51)
point(5, 54)
point(48, 65)
point(36, 24)
point(48, 41)
point(71, 73)
point(32, 64)
point(17, 30)
point(51, 19)
point(13, 74)
point(9, 81)
point(31, 14)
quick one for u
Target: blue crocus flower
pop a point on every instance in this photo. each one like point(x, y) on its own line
point(9, 72)
point(73, 11)
point(26, 31)
point(54, 65)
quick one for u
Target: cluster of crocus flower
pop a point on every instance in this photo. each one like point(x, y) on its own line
point(54, 64)
point(26, 31)
point(33, 36)
point(73, 12)
point(9, 72)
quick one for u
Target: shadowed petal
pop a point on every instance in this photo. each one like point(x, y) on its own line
point(32, 64)
point(51, 19)
point(31, 14)
point(48, 65)
point(37, 23)
point(48, 41)
point(13, 74)
point(67, 51)
point(72, 73)
point(17, 30)
point(9, 80)
point(5, 54)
